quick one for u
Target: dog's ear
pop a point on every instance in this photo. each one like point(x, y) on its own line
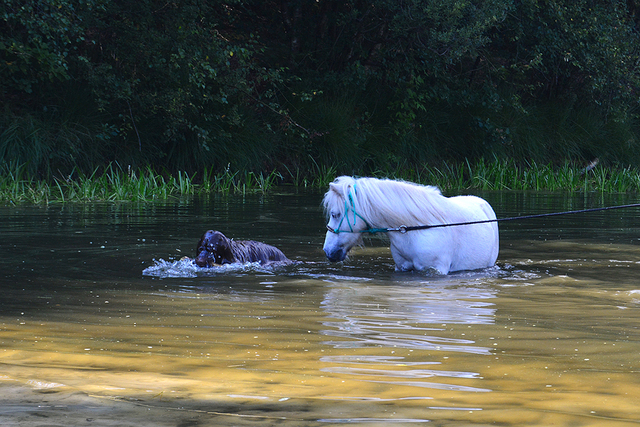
point(226, 250)
point(225, 246)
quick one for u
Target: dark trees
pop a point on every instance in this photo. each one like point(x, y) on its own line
point(297, 83)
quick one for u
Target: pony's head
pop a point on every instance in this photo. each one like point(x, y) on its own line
point(345, 221)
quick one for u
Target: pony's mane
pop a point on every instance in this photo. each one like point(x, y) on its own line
point(386, 202)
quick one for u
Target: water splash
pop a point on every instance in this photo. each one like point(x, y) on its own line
point(185, 267)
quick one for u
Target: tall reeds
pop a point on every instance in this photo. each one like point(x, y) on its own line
point(507, 175)
point(115, 183)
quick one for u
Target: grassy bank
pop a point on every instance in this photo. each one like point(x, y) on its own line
point(122, 184)
point(118, 184)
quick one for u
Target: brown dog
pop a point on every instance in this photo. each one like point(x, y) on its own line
point(215, 248)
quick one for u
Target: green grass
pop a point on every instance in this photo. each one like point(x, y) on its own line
point(115, 183)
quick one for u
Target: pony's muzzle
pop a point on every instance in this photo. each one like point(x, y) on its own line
point(336, 255)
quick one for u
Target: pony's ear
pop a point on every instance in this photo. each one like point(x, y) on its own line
point(333, 187)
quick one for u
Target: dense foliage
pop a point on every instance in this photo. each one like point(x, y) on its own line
point(304, 86)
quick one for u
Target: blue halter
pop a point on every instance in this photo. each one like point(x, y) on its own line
point(356, 215)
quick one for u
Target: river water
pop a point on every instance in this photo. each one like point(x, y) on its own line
point(101, 323)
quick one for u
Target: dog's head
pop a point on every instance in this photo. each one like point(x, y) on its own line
point(213, 248)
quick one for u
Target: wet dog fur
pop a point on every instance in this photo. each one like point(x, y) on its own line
point(214, 248)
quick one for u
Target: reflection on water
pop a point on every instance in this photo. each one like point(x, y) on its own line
point(403, 318)
point(375, 316)
point(100, 320)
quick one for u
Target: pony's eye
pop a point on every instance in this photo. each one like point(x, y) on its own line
point(335, 215)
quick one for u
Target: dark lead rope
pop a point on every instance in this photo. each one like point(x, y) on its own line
point(403, 228)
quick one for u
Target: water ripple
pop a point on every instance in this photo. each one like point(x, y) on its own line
point(412, 373)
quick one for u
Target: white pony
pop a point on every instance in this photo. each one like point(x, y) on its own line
point(356, 206)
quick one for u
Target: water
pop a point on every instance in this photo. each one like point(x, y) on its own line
point(102, 324)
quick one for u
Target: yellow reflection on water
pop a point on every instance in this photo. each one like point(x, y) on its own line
point(518, 349)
